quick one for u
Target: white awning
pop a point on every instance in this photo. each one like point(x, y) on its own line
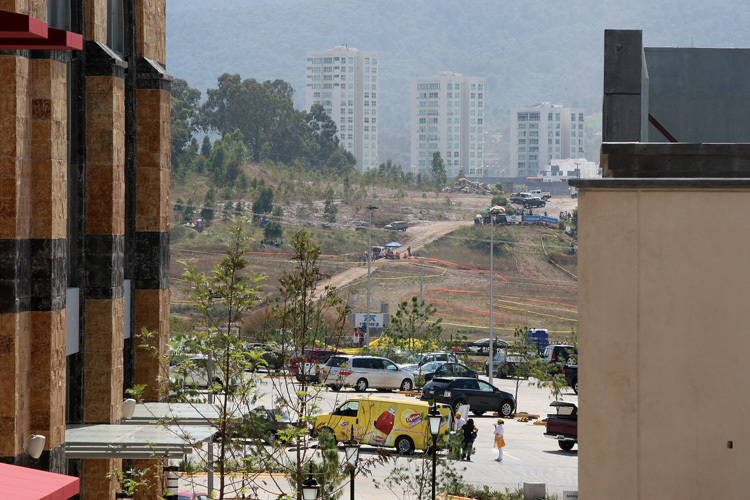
point(184, 413)
point(133, 441)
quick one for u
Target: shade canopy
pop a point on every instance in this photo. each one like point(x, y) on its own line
point(393, 244)
point(133, 441)
point(22, 483)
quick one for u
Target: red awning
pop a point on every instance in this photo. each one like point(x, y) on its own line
point(15, 25)
point(22, 483)
point(22, 32)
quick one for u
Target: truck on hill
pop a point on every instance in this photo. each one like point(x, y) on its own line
point(541, 194)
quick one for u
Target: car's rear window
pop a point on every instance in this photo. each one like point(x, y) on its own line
point(337, 361)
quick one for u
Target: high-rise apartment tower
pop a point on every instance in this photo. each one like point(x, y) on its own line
point(447, 115)
point(344, 81)
point(541, 133)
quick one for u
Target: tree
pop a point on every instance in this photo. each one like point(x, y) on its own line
point(264, 203)
point(272, 231)
point(523, 357)
point(412, 322)
point(189, 210)
point(206, 147)
point(439, 174)
point(330, 209)
point(184, 117)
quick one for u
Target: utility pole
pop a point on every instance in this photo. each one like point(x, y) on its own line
point(369, 258)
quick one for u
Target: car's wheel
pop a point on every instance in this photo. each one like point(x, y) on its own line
point(335, 388)
point(544, 203)
point(506, 408)
point(361, 385)
point(404, 445)
point(457, 404)
point(566, 445)
point(478, 413)
point(575, 386)
point(407, 385)
point(270, 437)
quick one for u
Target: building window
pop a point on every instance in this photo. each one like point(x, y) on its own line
point(116, 26)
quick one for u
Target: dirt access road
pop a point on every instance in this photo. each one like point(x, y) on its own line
point(415, 237)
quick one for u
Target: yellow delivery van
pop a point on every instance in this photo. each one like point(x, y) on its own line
point(401, 424)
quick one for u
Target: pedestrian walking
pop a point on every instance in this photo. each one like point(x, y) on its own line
point(499, 440)
point(458, 422)
point(470, 434)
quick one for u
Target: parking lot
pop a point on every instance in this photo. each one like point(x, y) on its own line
point(529, 456)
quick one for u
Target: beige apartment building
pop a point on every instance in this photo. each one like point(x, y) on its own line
point(664, 278)
point(447, 115)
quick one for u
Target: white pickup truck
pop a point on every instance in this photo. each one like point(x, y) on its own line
point(541, 194)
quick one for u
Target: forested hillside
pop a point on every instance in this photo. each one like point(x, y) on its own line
point(527, 51)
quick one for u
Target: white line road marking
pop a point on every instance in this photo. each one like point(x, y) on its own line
point(511, 456)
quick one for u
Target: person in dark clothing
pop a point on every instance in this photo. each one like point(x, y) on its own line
point(470, 434)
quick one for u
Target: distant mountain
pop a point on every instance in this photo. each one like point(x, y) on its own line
point(543, 50)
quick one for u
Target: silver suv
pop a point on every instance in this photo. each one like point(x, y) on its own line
point(362, 372)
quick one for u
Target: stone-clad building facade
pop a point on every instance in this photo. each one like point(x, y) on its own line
point(84, 225)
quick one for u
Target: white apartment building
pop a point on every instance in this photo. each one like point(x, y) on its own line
point(570, 168)
point(541, 133)
point(344, 81)
point(447, 115)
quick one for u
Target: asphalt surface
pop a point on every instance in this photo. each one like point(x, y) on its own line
point(529, 457)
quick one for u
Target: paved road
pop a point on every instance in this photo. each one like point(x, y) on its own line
point(529, 456)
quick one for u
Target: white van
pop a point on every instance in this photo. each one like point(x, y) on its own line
point(363, 372)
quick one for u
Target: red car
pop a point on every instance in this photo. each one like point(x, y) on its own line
point(191, 495)
point(310, 356)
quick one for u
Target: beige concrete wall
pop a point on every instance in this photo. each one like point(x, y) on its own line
point(663, 342)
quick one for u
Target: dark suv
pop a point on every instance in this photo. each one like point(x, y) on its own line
point(478, 394)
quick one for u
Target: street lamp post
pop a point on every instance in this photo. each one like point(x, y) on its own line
point(369, 258)
point(491, 364)
point(434, 419)
point(352, 455)
point(310, 489)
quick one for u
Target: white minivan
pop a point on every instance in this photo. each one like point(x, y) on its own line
point(363, 372)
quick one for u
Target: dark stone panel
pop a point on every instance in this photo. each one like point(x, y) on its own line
point(152, 75)
point(53, 55)
point(105, 256)
point(650, 182)
point(15, 52)
point(151, 267)
point(103, 61)
point(623, 56)
point(48, 274)
point(14, 276)
point(50, 460)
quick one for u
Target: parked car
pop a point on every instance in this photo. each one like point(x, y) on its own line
point(297, 361)
point(398, 225)
point(505, 363)
point(191, 371)
point(263, 357)
point(437, 356)
point(571, 376)
point(267, 423)
point(444, 369)
point(541, 194)
point(558, 354)
point(191, 495)
point(482, 346)
point(563, 424)
point(478, 394)
point(363, 372)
